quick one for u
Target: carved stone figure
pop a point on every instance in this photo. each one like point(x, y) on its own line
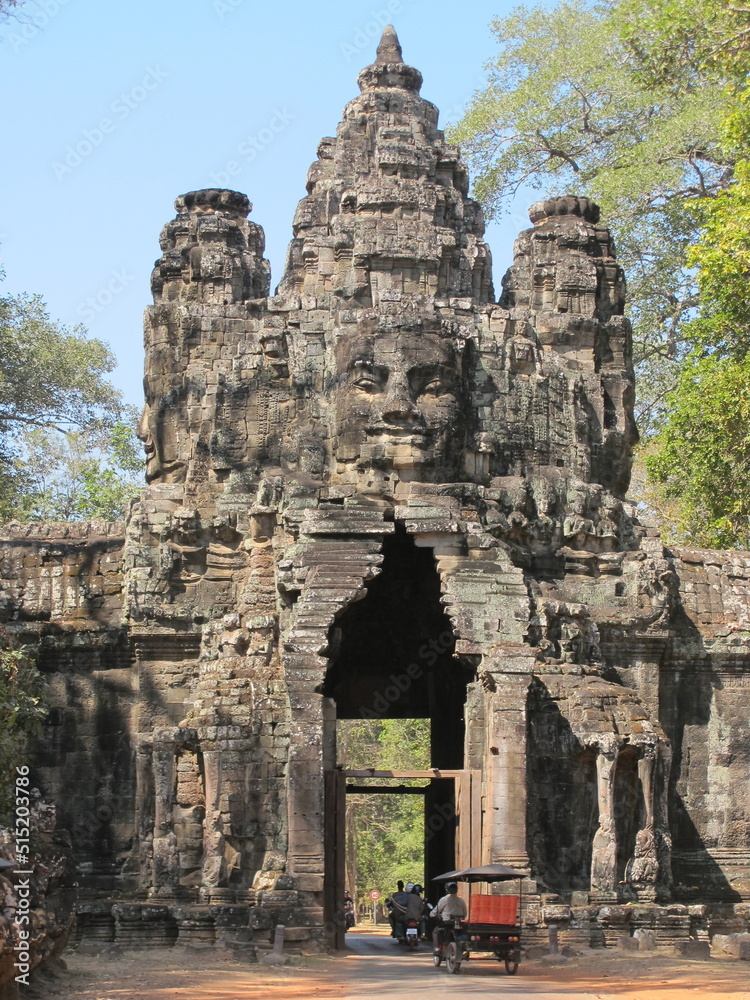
point(380, 493)
point(399, 403)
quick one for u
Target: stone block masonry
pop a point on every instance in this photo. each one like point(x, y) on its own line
point(385, 471)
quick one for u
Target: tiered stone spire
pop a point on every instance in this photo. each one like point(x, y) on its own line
point(387, 213)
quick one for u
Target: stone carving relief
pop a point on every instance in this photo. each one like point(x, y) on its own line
point(380, 393)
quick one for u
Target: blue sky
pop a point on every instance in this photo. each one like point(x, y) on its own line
point(110, 110)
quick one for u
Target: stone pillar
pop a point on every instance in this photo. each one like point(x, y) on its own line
point(604, 854)
point(643, 868)
point(306, 781)
point(144, 815)
point(504, 835)
point(661, 818)
point(166, 860)
point(214, 868)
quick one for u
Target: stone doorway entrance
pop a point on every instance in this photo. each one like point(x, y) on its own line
point(392, 653)
point(452, 827)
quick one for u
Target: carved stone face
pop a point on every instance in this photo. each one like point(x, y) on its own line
point(398, 403)
point(158, 432)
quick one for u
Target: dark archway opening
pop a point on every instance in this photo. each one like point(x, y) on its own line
point(391, 656)
point(392, 653)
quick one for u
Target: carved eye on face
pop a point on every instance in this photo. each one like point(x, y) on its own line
point(434, 381)
point(433, 387)
point(367, 378)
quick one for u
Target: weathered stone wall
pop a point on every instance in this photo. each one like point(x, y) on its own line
point(379, 431)
point(705, 680)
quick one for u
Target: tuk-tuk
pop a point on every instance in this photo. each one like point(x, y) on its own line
point(493, 924)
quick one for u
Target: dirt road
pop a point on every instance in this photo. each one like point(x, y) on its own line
point(374, 966)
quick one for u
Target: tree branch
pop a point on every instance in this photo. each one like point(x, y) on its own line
point(560, 153)
point(10, 417)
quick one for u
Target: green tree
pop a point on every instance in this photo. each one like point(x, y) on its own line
point(53, 382)
point(569, 106)
point(92, 473)
point(22, 711)
point(385, 839)
point(699, 461)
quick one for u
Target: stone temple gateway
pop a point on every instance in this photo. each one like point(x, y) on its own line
point(386, 492)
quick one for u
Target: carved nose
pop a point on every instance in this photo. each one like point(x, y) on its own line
point(400, 406)
point(142, 431)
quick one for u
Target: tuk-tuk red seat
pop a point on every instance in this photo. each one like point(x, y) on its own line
point(491, 909)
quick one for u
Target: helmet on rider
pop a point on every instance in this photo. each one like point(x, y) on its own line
point(417, 888)
point(408, 887)
point(451, 887)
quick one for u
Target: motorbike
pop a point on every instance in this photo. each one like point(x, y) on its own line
point(349, 918)
point(407, 933)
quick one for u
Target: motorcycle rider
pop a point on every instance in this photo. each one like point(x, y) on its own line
point(449, 908)
point(413, 910)
point(414, 905)
point(396, 904)
point(349, 917)
point(425, 912)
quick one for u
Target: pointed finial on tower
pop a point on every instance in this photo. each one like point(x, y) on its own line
point(389, 50)
point(389, 69)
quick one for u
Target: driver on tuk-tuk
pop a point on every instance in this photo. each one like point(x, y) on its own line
point(449, 908)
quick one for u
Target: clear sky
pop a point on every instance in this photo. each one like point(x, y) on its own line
point(111, 109)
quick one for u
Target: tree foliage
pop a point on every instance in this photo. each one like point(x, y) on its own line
point(385, 839)
point(568, 108)
point(66, 449)
point(22, 711)
point(699, 461)
point(92, 473)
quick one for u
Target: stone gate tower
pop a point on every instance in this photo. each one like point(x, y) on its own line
point(384, 491)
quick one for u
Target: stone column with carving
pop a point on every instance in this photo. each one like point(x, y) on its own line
point(604, 853)
point(505, 772)
point(643, 868)
point(141, 856)
point(213, 830)
point(166, 859)
point(662, 834)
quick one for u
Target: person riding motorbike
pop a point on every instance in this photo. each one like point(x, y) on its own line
point(449, 908)
point(349, 915)
point(425, 912)
point(396, 904)
point(413, 913)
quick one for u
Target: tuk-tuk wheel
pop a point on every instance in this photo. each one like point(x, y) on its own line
point(453, 955)
point(511, 965)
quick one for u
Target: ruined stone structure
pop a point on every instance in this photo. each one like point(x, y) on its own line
point(383, 490)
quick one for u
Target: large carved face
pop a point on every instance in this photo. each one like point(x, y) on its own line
point(399, 403)
point(158, 430)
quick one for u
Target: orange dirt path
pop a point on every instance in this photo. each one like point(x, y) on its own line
point(377, 968)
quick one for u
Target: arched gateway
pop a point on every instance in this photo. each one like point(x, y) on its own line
point(378, 492)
